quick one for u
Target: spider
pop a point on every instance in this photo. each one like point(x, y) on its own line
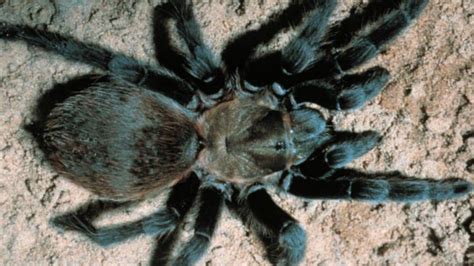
point(218, 134)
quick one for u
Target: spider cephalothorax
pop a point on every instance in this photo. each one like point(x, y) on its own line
point(217, 133)
point(250, 138)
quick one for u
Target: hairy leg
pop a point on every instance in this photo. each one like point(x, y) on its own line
point(210, 203)
point(374, 13)
point(197, 63)
point(378, 32)
point(348, 93)
point(154, 78)
point(238, 51)
point(164, 247)
point(68, 47)
point(158, 224)
point(120, 67)
point(379, 187)
point(343, 148)
point(299, 54)
point(315, 54)
point(282, 236)
point(360, 37)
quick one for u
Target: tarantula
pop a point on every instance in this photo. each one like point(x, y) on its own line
point(217, 133)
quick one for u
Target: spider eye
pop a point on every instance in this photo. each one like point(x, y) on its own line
point(280, 145)
point(212, 82)
point(209, 78)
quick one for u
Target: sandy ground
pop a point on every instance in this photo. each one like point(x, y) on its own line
point(425, 114)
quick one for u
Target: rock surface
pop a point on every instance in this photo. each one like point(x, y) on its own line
point(425, 115)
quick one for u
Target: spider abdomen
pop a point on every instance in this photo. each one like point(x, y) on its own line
point(121, 141)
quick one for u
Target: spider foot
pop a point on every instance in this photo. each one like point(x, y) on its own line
point(103, 237)
point(347, 150)
point(453, 188)
point(292, 243)
point(360, 88)
point(71, 222)
point(193, 250)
